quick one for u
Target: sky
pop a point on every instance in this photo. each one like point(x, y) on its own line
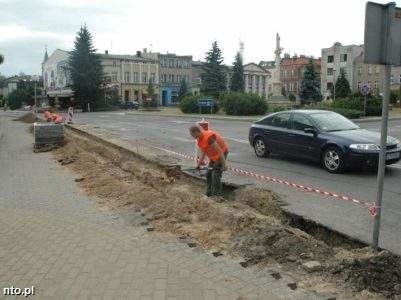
point(184, 27)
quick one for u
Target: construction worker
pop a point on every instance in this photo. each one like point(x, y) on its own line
point(215, 148)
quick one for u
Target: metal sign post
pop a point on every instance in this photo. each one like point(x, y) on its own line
point(382, 46)
point(365, 90)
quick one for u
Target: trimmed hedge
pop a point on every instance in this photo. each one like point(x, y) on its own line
point(373, 105)
point(189, 105)
point(244, 104)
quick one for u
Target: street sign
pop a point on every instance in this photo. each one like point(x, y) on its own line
point(365, 89)
point(382, 34)
point(205, 102)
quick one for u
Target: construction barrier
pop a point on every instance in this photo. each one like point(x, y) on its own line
point(70, 115)
point(372, 208)
point(51, 117)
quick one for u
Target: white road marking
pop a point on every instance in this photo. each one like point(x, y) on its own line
point(183, 140)
point(183, 122)
point(237, 140)
point(104, 116)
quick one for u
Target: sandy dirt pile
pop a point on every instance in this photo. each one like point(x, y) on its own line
point(250, 224)
point(28, 118)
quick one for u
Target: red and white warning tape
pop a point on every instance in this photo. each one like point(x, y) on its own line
point(372, 208)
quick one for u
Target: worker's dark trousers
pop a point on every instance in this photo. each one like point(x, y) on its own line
point(213, 178)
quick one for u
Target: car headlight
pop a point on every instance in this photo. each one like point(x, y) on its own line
point(398, 142)
point(365, 147)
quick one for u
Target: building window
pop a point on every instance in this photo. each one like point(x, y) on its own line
point(152, 77)
point(370, 70)
point(360, 70)
point(114, 76)
point(392, 79)
point(174, 96)
point(329, 71)
point(330, 58)
point(359, 86)
point(400, 78)
point(144, 77)
point(126, 77)
point(376, 85)
point(114, 63)
point(170, 63)
point(343, 57)
point(136, 77)
point(329, 86)
point(377, 69)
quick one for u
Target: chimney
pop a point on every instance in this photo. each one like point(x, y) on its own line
point(145, 50)
point(106, 52)
point(138, 53)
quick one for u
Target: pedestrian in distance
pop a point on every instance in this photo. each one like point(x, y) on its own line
point(216, 149)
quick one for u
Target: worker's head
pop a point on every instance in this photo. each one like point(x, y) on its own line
point(194, 131)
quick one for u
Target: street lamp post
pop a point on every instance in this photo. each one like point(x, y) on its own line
point(334, 84)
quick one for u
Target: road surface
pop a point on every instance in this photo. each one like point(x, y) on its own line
point(343, 216)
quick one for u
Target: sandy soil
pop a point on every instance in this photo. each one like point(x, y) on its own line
point(250, 224)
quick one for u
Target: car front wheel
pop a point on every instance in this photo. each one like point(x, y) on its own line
point(260, 147)
point(333, 160)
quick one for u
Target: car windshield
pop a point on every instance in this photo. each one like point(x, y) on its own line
point(333, 122)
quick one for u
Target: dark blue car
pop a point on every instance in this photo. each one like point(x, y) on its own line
point(321, 136)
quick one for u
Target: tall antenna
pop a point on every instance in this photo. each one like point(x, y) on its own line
point(241, 48)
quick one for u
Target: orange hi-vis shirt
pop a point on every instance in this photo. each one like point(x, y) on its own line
point(205, 141)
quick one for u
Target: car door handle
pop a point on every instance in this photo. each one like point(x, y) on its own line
point(290, 134)
point(267, 131)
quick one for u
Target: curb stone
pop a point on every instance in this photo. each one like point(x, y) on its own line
point(244, 119)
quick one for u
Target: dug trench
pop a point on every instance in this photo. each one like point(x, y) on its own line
point(250, 224)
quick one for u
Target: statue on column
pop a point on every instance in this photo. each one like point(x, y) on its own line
point(275, 81)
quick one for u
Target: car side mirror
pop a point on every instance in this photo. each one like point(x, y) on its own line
point(310, 130)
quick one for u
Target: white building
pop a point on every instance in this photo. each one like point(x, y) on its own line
point(335, 59)
point(56, 78)
point(256, 79)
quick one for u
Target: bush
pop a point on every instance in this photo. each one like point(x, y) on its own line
point(346, 112)
point(243, 104)
point(292, 97)
point(189, 105)
point(278, 108)
point(373, 105)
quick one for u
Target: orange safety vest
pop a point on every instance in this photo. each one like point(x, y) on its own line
point(209, 150)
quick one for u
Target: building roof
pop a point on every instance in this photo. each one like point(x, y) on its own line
point(124, 57)
point(299, 60)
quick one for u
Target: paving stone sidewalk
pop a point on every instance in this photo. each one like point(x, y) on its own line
point(55, 238)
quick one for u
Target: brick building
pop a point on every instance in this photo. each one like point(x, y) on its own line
point(292, 70)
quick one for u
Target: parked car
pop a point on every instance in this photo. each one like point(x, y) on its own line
point(130, 105)
point(321, 136)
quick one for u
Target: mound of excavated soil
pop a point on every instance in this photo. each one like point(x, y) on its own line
point(250, 224)
point(28, 118)
point(363, 270)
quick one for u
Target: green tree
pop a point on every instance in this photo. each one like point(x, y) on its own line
point(343, 89)
point(150, 90)
point(237, 78)
point(23, 95)
point(214, 80)
point(183, 91)
point(310, 86)
point(86, 71)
